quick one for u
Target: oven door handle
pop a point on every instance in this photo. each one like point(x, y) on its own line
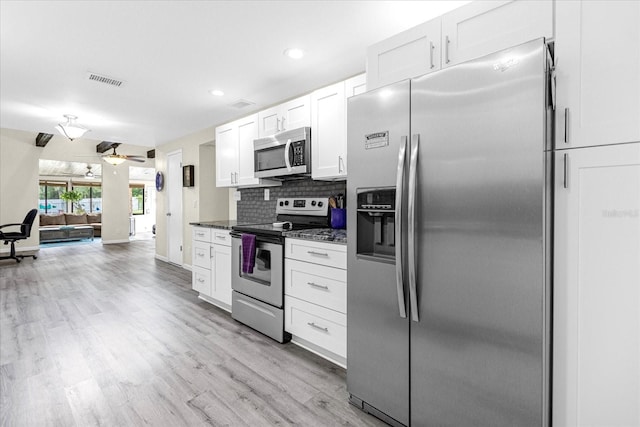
point(287, 147)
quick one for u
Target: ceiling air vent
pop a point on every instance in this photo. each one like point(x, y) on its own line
point(104, 79)
point(242, 103)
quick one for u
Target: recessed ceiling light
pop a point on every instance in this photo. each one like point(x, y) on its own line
point(216, 92)
point(294, 53)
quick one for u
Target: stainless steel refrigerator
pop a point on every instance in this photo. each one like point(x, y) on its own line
point(449, 184)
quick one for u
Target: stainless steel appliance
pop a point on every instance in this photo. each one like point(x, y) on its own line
point(284, 154)
point(258, 297)
point(449, 276)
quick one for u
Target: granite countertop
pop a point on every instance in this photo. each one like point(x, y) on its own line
point(329, 235)
point(224, 224)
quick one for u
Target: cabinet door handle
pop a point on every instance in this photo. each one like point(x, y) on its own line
point(565, 174)
point(236, 174)
point(318, 253)
point(283, 128)
point(566, 125)
point(431, 47)
point(315, 285)
point(231, 173)
point(313, 325)
point(277, 124)
point(340, 170)
point(446, 49)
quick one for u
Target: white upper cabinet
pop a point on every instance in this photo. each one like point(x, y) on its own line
point(329, 127)
point(597, 57)
point(482, 27)
point(226, 155)
point(247, 132)
point(286, 116)
point(355, 85)
point(471, 31)
point(234, 154)
point(411, 53)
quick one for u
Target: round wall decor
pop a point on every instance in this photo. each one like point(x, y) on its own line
point(159, 181)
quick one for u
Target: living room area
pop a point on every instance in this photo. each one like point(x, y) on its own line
point(70, 202)
point(118, 203)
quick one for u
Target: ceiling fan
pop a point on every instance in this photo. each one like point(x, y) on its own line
point(115, 159)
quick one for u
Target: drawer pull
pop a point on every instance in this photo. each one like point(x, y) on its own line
point(200, 234)
point(313, 325)
point(318, 253)
point(200, 254)
point(315, 285)
point(221, 237)
point(200, 280)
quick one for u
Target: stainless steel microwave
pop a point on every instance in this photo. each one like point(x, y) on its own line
point(283, 154)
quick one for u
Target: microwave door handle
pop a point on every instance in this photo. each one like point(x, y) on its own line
point(287, 147)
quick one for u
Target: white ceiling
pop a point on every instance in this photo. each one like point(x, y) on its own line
point(171, 53)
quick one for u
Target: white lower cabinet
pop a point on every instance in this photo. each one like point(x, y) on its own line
point(211, 266)
point(315, 287)
point(596, 343)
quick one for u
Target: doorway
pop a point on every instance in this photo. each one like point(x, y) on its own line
point(174, 207)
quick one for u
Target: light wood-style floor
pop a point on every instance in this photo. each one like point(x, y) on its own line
point(108, 335)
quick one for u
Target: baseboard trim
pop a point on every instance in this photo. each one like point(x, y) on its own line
point(162, 258)
point(113, 242)
point(187, 267)
point(7, 249)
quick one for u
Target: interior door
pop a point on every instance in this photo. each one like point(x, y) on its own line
point(478, 353)
point(174, 207)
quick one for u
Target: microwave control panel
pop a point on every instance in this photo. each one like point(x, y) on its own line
point(298, 153)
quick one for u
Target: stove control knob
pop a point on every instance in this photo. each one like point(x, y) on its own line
point(320, 204)
point(286, 203)
point(281, 203)
point(313, 203)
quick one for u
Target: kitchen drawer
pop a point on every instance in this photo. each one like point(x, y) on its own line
point(320, 326)
point(318, 284)
point(329, 254)
point(221, 237)
point(201, 254)
point(201, 280)
point(201, 234)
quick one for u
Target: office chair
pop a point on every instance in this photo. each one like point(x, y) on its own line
point(24, 233)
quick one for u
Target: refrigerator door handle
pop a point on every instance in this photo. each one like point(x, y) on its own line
point(398, 226)
point(411, 216)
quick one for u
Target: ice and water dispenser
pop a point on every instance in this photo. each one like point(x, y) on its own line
point(376, 224)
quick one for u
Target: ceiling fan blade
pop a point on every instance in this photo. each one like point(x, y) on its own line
point(136, 159)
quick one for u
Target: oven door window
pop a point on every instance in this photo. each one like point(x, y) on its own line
point(262, 269)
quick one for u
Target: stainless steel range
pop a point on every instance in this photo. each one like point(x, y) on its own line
point(258, 292)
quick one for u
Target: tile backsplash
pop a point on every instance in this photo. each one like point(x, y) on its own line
point(253, 208)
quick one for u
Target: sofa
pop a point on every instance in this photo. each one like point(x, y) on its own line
point(66, 226)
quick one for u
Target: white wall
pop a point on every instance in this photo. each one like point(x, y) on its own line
point(18, 182)
point(202, 202)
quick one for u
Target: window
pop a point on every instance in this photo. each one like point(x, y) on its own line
point(136, 192)
point(92, 196)
point(50, 201)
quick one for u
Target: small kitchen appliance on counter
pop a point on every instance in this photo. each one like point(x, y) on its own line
point(258, 292)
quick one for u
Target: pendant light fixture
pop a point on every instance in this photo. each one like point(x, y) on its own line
point(70, 129)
